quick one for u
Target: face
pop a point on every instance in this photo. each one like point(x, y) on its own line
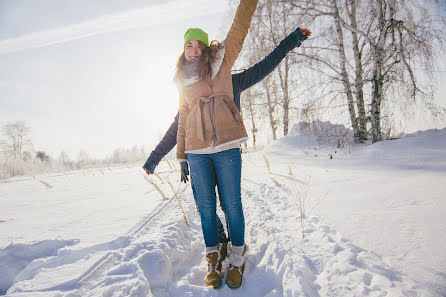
point(192, 50)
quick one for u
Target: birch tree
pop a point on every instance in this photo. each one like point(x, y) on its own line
point(332, 55)
point(248, 99)
point(358, 47)
point(16, 138)
point(343, 70)
point(266, 91)
point(401, 39)
point(394, 39)
point(270, 103)
point(278, 21)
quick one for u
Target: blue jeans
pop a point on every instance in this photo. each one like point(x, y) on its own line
point(223, 168)
point(220, 229)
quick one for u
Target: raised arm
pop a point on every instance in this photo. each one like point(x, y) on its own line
point(259, 71)
point(163, 148)
point(239, 30)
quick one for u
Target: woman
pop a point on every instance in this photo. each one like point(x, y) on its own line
point(210, 131)
point(240, 82)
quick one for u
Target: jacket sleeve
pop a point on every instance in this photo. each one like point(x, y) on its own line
point(181, 134)
point(164, 147)
point(259, 71)
point(239, 30)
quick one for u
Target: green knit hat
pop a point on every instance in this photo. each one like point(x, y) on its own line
point(196, 34)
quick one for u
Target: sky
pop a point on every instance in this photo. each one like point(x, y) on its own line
point(95, 76)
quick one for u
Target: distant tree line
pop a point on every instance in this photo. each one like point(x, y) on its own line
point(18, 157)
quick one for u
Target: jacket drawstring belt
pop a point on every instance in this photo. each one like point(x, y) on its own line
point(199, 123)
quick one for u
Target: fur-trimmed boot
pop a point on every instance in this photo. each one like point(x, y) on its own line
point(236, 256)
point(214, 259)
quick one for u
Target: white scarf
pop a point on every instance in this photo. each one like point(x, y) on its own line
point(191, 71)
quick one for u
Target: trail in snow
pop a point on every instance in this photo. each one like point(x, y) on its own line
point(163, 257)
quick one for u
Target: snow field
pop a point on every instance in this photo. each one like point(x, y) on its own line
point(359, 241)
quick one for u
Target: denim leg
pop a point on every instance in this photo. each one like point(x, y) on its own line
point(220, 230)
point(195, 194)
point(201, 171)
point(228, 166)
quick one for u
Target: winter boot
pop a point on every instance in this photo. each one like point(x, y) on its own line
point(236, 267)
point(213, 278)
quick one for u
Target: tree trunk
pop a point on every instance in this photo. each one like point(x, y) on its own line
point(284, 67)
point(344, 75)
point(270, 106)
point(376, 98)
point(251, 112)
point(359, 82)
point(283, 76)
point(378, 78)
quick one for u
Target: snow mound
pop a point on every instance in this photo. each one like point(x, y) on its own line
point(424, 150)
point(315, 140)
point(317, 134)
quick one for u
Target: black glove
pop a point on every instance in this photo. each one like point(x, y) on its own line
point(184, 171)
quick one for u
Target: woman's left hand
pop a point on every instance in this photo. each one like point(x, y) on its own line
point(305, 32)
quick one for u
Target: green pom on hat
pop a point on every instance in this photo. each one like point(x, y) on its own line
point(196, 34)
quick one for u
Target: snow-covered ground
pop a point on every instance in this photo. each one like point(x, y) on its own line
point(377, 226)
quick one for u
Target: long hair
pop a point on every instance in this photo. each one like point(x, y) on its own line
point(208, 56)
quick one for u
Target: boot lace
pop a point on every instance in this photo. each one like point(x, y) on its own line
point(213, 267)
point(232, 267)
